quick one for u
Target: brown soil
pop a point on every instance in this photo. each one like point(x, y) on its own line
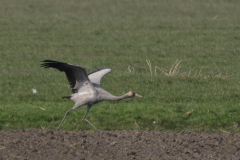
point(55, 145)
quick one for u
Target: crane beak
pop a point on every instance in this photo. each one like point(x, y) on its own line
point(137, 95)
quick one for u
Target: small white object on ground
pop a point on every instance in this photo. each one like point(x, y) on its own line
point(34, 90)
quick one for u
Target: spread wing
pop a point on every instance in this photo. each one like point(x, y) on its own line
point(77, 76)
point(96, 76)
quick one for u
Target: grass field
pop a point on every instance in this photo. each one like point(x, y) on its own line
point(140, 40)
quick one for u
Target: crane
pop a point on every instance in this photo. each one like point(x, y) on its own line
point(86, 88)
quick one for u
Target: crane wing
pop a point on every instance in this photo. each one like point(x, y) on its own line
point(77, 76)
point(96, 76)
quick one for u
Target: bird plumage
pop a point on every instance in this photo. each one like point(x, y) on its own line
point(76, 75)
point(85, 87)
point(96, 76)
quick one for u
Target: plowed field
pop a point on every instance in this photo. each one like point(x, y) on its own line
point(51, 144)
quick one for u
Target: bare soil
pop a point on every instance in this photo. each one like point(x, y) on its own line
point(87, 145)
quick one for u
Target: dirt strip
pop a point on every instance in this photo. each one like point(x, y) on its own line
point(96, 145)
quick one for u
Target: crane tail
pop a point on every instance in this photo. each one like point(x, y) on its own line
point(67, 97)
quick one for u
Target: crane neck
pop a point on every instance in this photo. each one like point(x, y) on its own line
point(105, 96)
point(116, 98)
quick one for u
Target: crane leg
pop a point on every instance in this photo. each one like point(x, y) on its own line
point(64, 118)
point(85, 119)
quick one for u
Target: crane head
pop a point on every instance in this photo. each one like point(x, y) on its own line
point(133, 94)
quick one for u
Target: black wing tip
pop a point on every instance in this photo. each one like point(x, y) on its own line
point(61, 66)
point(49, 63)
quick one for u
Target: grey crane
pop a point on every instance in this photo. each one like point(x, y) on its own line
point(86, 88)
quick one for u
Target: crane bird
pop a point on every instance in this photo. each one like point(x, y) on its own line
point(86, 88)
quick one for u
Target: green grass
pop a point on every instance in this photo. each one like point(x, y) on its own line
point(201, 95)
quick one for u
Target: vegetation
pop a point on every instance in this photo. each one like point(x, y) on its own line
point(182, 56)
